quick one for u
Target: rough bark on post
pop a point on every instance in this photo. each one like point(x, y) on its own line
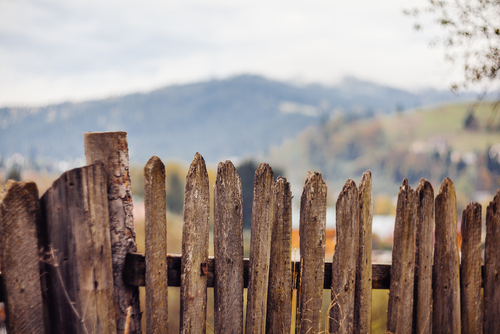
point(279, 298)
point(446, 269)
point(341, 319)
point(260, 249)
point(491, 321)
point(111, 148)
point(400, 308)
point(422, 300)
point(312, 252)
point(156, 246)
point(228, 250)
point(19, 262)
point(470, 270)
point(363, 294)
point(195, 248)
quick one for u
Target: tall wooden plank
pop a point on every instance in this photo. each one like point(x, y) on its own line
point(491, 314)
point(446, 269)
point(470, 270)
point(260, 249)
point(156, 246)
point(341, 318)
point(363, 291)
point(111, 148)
point(279, 297)
point(400, 308)
point(78, 250)
point(422, 300)
point(195, 248)
point(312, 252)
point(19, 262)
point(228, 250)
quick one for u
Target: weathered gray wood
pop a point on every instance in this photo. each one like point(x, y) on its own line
point(156, 246)
point(312, 252)
point(19, 263)
point(446, 269)
point(78, 250)
point(363, 291)
point(400, 308)
point(195, 232)
point(111, 148)
point(344, 260)
point(260, 249)
point(228, 250)
point(279, 297)
point(491, 320)
point(422, 303)
point(470, 270)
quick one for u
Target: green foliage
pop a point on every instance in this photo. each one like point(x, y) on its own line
point(14, 173)
point(175, 194)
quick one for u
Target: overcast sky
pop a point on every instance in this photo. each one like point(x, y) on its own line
point(56, 50)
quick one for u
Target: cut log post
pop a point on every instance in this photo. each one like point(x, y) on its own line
point(422, 298)
point(312, 252)
point(19, 259)
point(260, 249)
point(400, 308)
point(111, 148)
point(228, 250)
point(446, 269)
point(341, 318)
point(156, 247)
point(195, 248)
point(279, 297)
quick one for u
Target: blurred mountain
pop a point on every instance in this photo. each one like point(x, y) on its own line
point(240, 116)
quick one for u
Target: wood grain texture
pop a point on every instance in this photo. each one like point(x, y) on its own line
point(279, 297)
point(19, 262)
point(341, 318)
point(446, 269)
point(228, 250)
point(195, 233)
point(111, 148)
point(76, 220)
point(400, 308)
point(470, 270)
point(422, 300)
point(156, 246)
point(312, 252)
point(260, 249)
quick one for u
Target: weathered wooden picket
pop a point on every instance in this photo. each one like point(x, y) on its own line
point(69, 263)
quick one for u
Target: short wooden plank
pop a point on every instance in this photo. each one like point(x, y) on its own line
point(260, 249)
point(156, 246)
point(312, 252)
point(491, 276)
point(228, 250)
point(195, 233)
point(279, 297)
point(470, 270)
point(19, 263)
point(422, 303)
point(400, 308)
point(341, 319)
point(446, 269)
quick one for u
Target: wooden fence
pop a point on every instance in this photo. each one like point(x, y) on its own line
point(69, 263)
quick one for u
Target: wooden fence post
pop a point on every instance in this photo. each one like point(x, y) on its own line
point(446, 269)
point(344, 261)
point(111, 148)
point(260, 249)
point(156, 247)
point(400, 309)
point(312, 252)
point(279, 297)
point(228, 250)
point(19, 259)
